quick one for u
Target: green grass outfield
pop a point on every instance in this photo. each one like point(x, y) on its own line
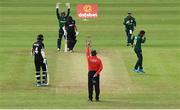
point(22, 20)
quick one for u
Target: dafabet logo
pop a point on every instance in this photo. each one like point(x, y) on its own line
point(87, 11)
point(87, 8)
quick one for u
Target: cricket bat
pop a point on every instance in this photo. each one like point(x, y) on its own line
point(47, 73)
point(47, 78)
point(65, 38)
point(65, 46)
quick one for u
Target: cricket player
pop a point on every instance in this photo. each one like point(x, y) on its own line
point(95, 66)
point(71, 29)
point(136, 42)
point(62, 18)
point(40, 61)
point(129, 23)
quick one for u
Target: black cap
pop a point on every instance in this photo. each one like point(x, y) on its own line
point(40, 37)
point(129, 13)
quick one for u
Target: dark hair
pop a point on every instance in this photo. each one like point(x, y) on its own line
point(40, 37)
point(142, 32)
point(93, 52)
point(63, 13)
point(70, 18)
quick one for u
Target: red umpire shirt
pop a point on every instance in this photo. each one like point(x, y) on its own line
point(94, 63)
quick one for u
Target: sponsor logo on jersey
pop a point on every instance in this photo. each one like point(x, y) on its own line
point(71, 25)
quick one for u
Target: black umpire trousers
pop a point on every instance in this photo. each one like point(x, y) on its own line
point(138, 64)
point(91, 83)
point(38, 65)
point(60, 35)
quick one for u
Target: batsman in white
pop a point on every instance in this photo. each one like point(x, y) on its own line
point(72, 33)
point(40, 61)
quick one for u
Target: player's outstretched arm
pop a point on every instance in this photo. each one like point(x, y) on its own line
point(32, 51)
point(76, 29)
point(57, 10)
point(68, 9)
point(88, 45)
point(124, 22)
point(134, 22)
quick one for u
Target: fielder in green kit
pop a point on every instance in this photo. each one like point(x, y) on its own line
point(136, 42)
point(62, 18)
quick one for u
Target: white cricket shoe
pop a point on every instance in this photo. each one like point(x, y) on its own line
point(38, 85)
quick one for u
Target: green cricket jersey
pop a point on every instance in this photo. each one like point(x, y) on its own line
point(129, 23)
point(62, 20)
point(137, 40)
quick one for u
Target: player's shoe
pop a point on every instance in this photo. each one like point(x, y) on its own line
point(90, 100)
point(71, 51)
point(44, 84)
point(97, 100)
point(38, 85)
point(142, 71)
point(128, 44)
point(136, 70)
point(58, 49)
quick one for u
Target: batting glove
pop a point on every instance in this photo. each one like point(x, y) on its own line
point(77, 33)
point(45, 61)
point(57, 5)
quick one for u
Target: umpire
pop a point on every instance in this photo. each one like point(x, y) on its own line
point(71, 29)
point(40, 61)
point(129, 23)
point(95, 67)
point(62, 18)
point(137, 41)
